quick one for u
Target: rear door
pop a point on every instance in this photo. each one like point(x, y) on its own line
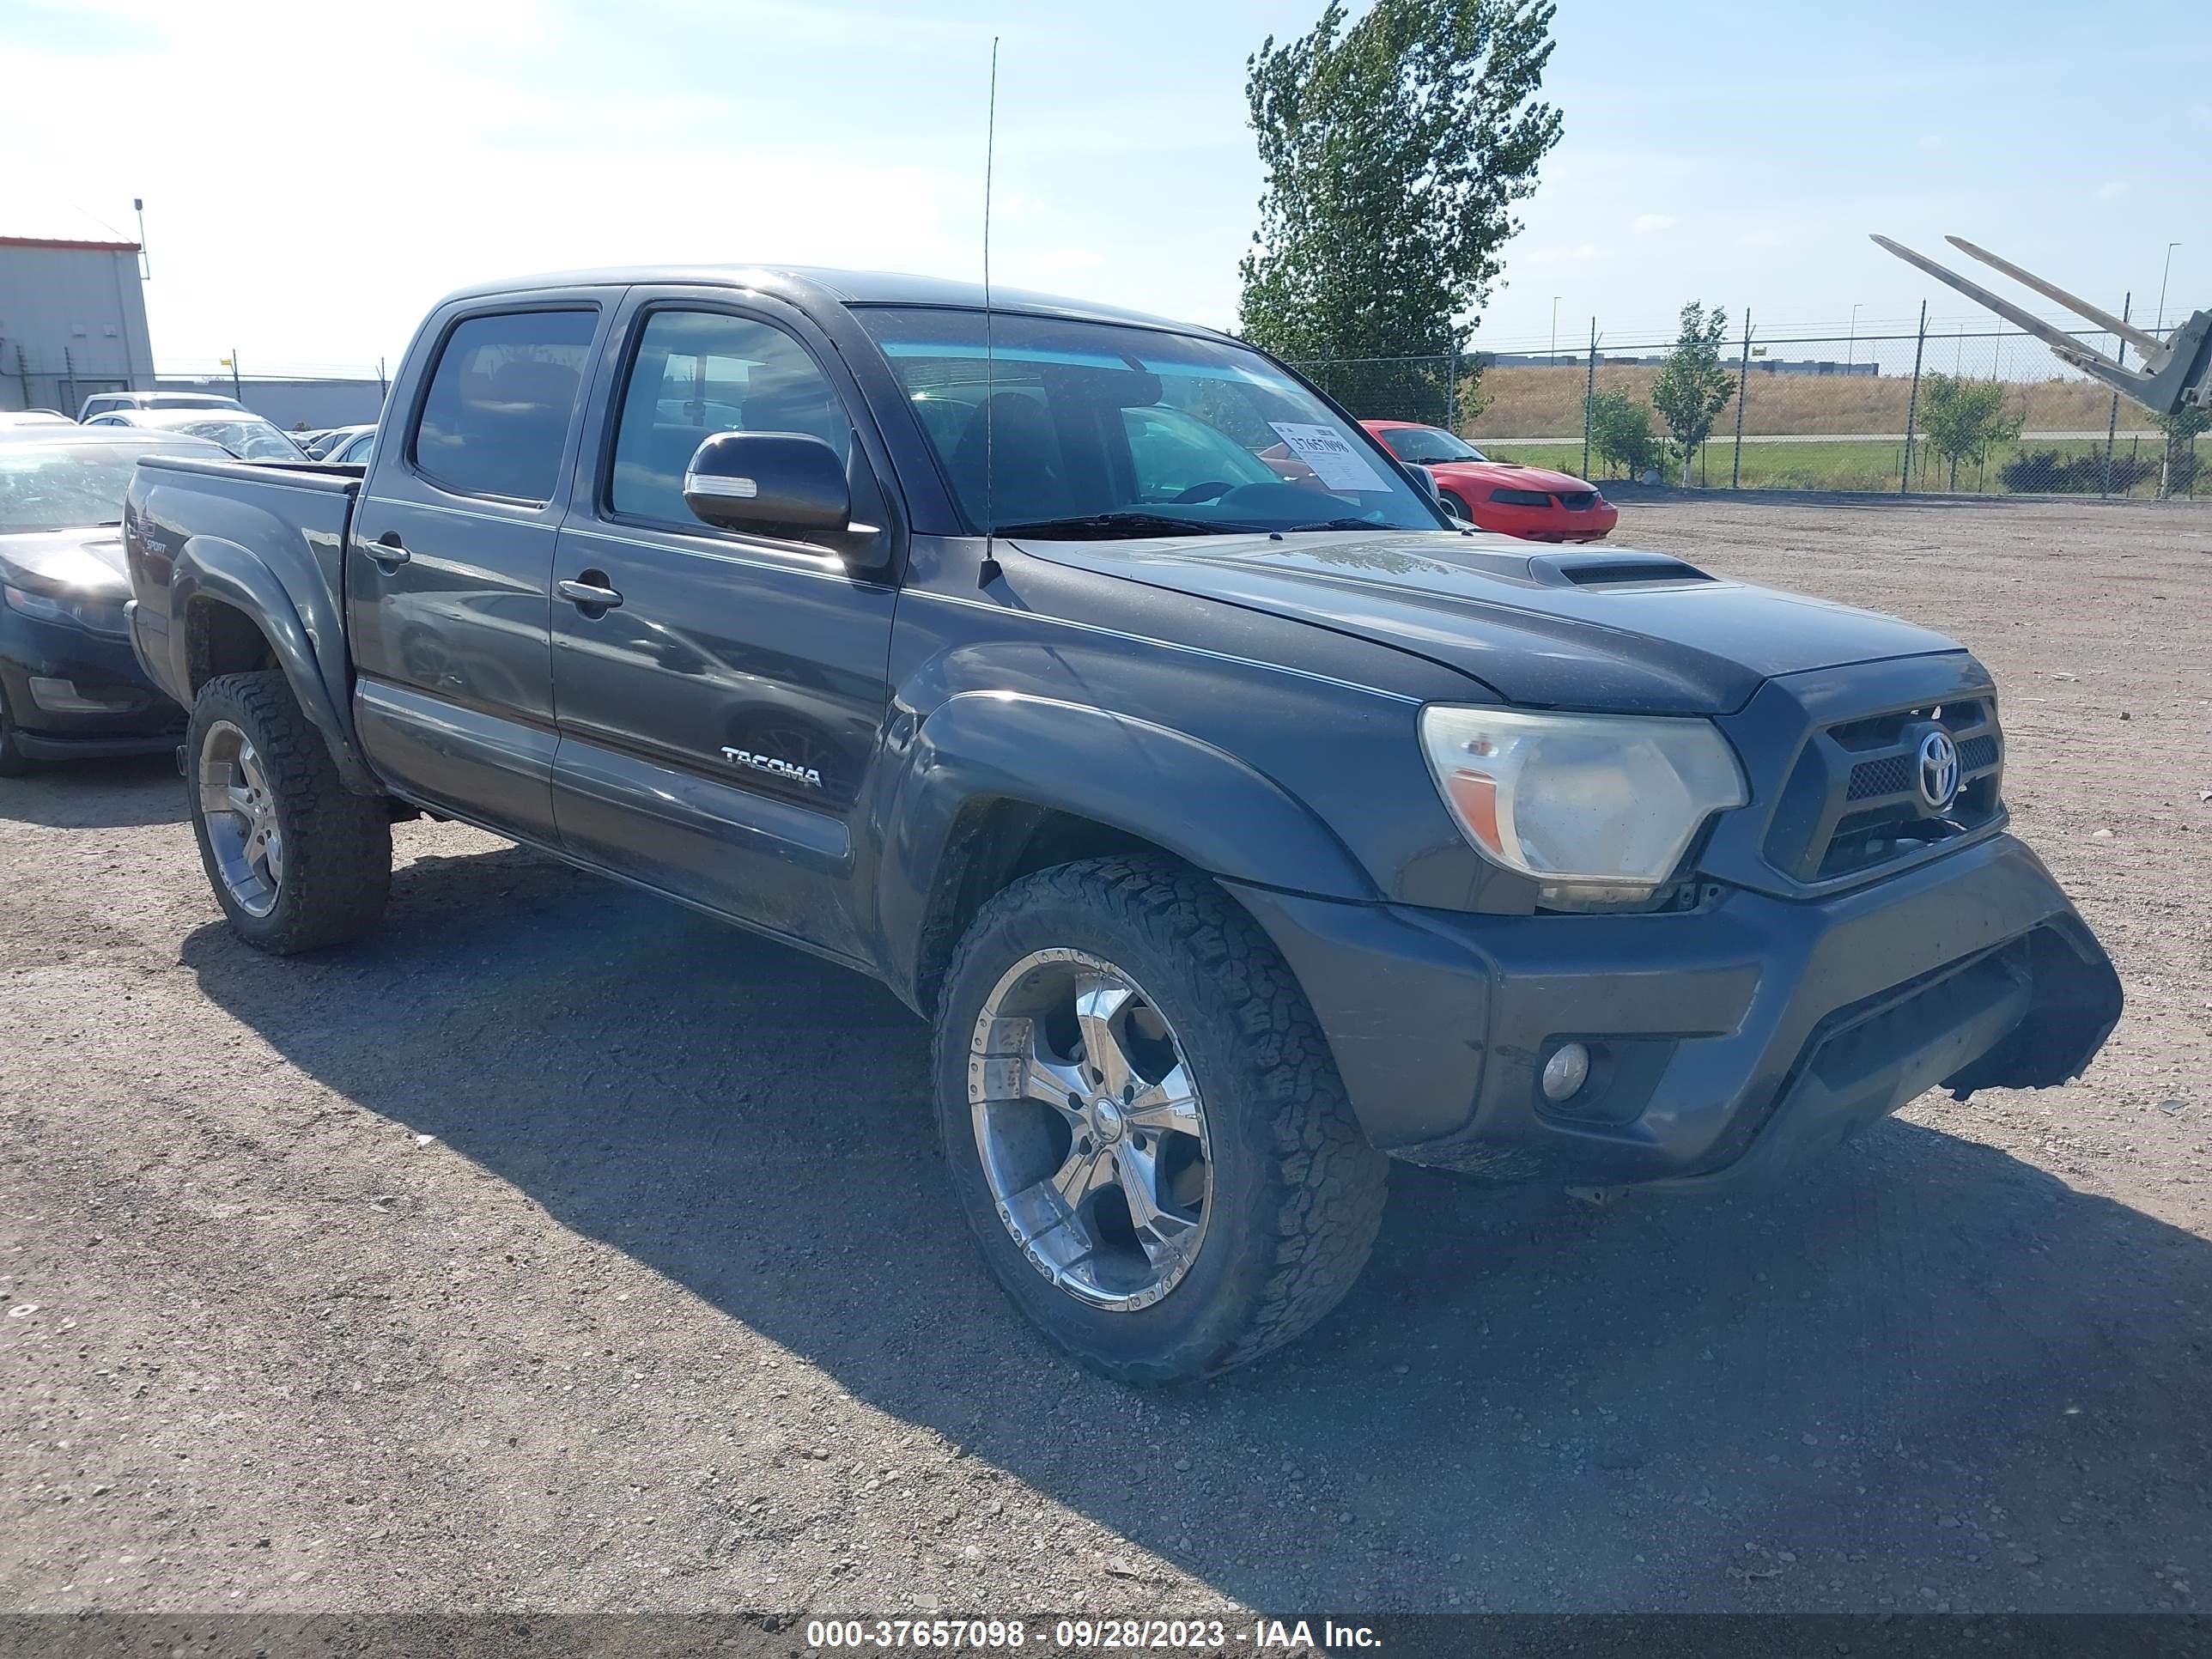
point(450, 560)
point(717, 722)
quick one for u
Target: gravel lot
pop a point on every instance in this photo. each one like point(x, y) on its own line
point(558, 1249)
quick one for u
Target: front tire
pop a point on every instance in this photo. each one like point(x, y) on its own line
point(297, 860)
point(1143, 1123)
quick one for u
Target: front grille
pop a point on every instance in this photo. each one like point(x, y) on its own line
point(1852, 803)
point(1891, 775)
point(1579, 501)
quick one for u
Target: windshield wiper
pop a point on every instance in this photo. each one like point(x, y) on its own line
point(1339, 524)
point(1109, 526)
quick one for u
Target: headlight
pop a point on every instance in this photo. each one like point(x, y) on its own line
point(102, 615)
point(1598, 809)
point(1521, 497)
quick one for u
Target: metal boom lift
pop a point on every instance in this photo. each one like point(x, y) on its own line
point(2176, 373)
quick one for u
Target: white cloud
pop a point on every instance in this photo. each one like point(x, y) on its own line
point(1931, 141)
point(1648, 222)
point(2111, 189)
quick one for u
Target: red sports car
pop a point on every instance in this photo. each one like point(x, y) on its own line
point(1520, 500)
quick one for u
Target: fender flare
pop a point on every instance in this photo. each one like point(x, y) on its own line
point(1181, 793)
point(223, 572)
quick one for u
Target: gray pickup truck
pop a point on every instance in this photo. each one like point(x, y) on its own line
point(1240, 818)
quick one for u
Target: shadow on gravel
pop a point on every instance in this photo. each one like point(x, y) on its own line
point(1931, 1365)
point(96, 794)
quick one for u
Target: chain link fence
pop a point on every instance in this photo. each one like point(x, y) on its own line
point(1959, 408)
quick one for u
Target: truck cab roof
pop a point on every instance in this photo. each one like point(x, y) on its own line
point(814, 287)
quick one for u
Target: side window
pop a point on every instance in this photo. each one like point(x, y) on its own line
point(697, 372)
point(499, 402)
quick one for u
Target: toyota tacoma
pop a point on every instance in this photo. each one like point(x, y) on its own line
point(1237, 832)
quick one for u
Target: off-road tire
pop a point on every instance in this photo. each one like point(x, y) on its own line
point(337, 863)
point(13, 762)
point(1298, 1191)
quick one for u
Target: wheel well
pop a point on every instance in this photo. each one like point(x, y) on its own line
point(220, 638)
point(994, 844)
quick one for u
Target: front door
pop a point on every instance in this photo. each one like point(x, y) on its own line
point(449, 566)
point(719, 696)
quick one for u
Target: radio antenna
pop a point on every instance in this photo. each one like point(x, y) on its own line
point(989, 572)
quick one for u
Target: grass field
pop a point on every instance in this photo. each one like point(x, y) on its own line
point(1544, 402)
point(1847, 465)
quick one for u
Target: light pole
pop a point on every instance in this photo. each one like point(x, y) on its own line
point(1851, 351)
point(1555, 331)
point(2159, 327)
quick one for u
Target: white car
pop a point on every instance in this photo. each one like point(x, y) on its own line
point(245, 434)
point(104, 403)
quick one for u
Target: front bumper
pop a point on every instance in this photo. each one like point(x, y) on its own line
point(95, 668)
point(1547, 524)
point(1732, 1042)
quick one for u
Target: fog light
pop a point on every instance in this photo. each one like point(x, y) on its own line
point(62, 697)
point(1566, 1071)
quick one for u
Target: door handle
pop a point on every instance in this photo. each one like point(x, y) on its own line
point(590, 595)
point(388, 552)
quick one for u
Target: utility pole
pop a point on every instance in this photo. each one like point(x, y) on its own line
point(1742, 389)
point(145, 259)
point(2113, 421)
point(1589, 393)
point(1912, 402)
point(2159, 327)
point(1554, 355)
point(1851, 351)
point(237, 388)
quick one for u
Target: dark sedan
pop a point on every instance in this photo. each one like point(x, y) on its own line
point(68, 686)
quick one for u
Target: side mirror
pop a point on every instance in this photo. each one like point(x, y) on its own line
point(1428, 480)
point(768, 482)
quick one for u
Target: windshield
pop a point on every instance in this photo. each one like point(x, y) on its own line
point(1426, 445)
point(1098, 429)
point(249, 440)
point(68, 486)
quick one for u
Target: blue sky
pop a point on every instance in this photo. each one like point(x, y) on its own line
point(316, 174)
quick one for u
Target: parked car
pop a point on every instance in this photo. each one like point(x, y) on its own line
point(32, 422)
point(348, 445)
point(104, 403)
point(248, 436)
point(69, 683)
point(1235, 834)
point(311, 440)
point(1532, 502)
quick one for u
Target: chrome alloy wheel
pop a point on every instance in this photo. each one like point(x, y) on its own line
point(1090, 1129)
point(240, 811)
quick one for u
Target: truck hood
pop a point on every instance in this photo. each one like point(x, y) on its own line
point(1612, 630)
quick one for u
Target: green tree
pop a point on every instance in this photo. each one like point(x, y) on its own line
point(1963, 420)
point(1692, 386)
point(2182, 463)
point(1394, 148)
point(1620, 433)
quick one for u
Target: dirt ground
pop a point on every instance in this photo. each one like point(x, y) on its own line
point(558, 1249)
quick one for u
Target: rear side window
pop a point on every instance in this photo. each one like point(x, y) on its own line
point(500, 401)
point(698, 373)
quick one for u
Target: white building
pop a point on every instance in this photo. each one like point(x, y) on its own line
point(72, 322)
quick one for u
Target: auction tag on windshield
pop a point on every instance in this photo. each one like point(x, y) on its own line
point(1331, 455)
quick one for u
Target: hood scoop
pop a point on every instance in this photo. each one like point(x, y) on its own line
point(1611, 569)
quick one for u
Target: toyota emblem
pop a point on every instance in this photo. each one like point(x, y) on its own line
point(1939, 771)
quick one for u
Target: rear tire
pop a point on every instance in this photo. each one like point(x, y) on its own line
point(13, 762)
point(1277, 1194)
point(296, 859)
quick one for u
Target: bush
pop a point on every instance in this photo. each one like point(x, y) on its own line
point(1620, 433)
point(2046, 473)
